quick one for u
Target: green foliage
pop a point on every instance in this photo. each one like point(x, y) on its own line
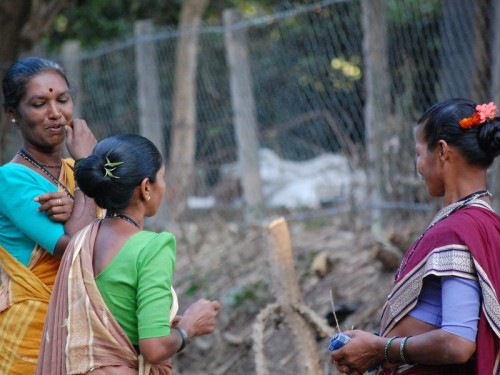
point(95, 21)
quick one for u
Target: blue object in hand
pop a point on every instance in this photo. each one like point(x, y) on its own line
point(338, 341)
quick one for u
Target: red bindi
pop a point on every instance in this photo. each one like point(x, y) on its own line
point(51, 89)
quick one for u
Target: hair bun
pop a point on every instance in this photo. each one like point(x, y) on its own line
point(489, 137)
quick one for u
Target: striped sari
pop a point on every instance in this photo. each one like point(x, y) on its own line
point(24, 298)
point(90, 341)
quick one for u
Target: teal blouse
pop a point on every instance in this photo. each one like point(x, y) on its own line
point(22, 226)
point(136, 285)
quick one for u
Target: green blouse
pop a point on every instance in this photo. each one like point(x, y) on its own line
point(136, 285)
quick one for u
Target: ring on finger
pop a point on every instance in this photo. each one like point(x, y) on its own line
point(59, 202)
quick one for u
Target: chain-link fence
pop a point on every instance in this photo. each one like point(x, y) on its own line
point(307, 71)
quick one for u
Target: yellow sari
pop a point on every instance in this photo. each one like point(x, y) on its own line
point(24, 298)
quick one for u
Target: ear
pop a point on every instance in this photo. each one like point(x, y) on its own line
point(443, 150)
point(145, 188)
point(11, 114)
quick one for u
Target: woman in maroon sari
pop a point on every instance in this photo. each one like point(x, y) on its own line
point(443, 313)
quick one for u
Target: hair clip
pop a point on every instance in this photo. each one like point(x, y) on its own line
point(109, 167)
point(484, 112)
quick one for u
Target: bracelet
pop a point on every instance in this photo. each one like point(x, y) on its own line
point(402, 350)
point(184, 338)
point(77, 188)
point(386, 349)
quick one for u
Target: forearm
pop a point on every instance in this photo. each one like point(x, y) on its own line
point(159, 349)
point(84, 212)
point(435, 347)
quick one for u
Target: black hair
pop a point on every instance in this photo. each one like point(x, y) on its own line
point(479, 145)
point(18, 75)
point(134, 158)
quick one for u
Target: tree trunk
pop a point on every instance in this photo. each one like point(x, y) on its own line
point(183, 138)
point(22, 24)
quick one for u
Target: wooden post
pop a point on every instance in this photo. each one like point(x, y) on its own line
point(287, 289)
point(72, 66)
point(183, 134)
point(243, 108)
point(148, 92)
point(377, 101)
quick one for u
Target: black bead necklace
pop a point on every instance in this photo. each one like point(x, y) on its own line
point(441, 215)
point(42, 167)
point(123, 217)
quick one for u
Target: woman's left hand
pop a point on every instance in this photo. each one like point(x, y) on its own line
point(57, 205)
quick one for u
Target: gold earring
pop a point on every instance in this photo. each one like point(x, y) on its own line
point(13, 120)
point(149, 197)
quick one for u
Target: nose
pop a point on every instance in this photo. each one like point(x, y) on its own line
point(54, 111)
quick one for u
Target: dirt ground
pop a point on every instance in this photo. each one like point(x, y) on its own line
point(221, 258)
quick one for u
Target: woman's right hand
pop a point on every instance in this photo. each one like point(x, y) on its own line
point(200, 318)
point(57, 205)
point(80, 141)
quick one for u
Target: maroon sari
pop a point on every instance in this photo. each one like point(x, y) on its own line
point(465, 244)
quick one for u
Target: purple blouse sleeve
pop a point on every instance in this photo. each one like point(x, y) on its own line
point(451, 303)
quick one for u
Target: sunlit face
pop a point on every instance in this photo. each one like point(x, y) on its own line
point(428, 165)
point(44, 110)
point(158, 189)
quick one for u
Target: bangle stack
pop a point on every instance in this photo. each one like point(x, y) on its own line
point(184, 338)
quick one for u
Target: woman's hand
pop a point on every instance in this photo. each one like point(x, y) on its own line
point(56, 204)
point(200, 318)
point(364, 350)
point(80, 141)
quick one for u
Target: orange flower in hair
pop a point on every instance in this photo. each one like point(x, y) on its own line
point(484, 112)
point(468, 122)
